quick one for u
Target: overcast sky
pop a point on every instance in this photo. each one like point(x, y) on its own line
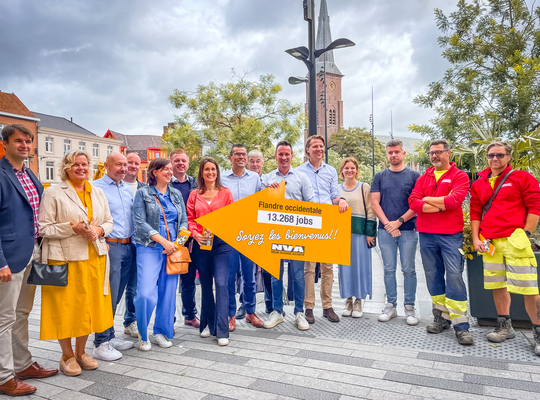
point(111, 64)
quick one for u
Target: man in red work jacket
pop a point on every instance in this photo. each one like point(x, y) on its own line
point(437, 198)
point(513, 215)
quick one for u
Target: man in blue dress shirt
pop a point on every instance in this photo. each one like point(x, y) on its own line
point(324, 180)
point(241, 183)
point(121, 251)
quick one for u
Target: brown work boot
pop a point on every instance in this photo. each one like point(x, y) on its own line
point(330, 314)
point(464, 337)
point(310, 318)
point(36, 371)
point(16, 387)
point(503, 331)
point(254, 320)
point(193, 322)
point(232, 324)
point(439, 324)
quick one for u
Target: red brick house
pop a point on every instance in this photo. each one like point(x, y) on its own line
point(13, 111)
point(147, 147)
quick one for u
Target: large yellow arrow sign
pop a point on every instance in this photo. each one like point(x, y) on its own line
point(267, 228)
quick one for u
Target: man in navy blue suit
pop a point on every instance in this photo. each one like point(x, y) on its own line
point(20, 195)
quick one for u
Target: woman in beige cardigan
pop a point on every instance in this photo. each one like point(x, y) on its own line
point(74, 218)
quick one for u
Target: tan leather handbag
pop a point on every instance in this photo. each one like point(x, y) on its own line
point(177, 262)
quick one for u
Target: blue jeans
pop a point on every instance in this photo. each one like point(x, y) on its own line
point(122, 267)
point(248, 287)
point(213, 266)
point(441, 256)
point(267, 278)
point(296, 269)
point(389, 245)
point(131, 292)
point(187, 283)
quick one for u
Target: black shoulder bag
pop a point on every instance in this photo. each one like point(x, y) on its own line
point(366, 220)
point(44, 274)
point(490, 201)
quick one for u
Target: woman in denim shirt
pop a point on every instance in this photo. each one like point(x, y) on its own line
point(154, 285)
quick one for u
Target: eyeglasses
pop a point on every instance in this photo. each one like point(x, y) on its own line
point(437, 152)
point(500, 156)
point(244, 155)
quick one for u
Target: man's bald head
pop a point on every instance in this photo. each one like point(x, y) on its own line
point(116, 166)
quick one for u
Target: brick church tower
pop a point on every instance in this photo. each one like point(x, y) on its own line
point(325, 62)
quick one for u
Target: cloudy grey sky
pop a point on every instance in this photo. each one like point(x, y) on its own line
point(110, 64)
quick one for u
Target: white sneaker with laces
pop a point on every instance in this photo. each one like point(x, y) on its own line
point(357, 309)
point(160, 340)
point(388, 313)
point(144, 345)
point(274, 319)
point(223, 341)
point(301, 322)
point(205, 333)
point(132, 330)
point(347, 308)
point(106, 352)
point(411, 317)
point(121, 344)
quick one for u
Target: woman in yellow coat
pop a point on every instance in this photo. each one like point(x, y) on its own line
point(74, 218)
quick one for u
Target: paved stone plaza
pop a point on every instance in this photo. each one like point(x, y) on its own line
point(356, 358)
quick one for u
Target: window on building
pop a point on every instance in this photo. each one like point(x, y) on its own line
point(67, 145)
point(94, 170)
point(1, 127)
point(109, 150)
point(332, 117)
point(157, 154)
point(49, 170)
point(95, 150)
point(143, 174)
point(49, 145)
point(82, 146)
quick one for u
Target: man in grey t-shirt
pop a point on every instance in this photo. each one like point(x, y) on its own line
point(397, 229)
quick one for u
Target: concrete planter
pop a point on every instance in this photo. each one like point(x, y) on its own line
point(481, 300)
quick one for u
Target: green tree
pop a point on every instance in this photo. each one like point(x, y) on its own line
point(356, 142)
point(216, 116)
point(494, 49)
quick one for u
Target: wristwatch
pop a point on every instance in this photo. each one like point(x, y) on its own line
point(528, 233)
point(400, 219)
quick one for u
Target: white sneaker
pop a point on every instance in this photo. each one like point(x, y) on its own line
point(121, 344)
point(144, 346)
point(160, 340)
point(106, 352)
point(223, 341)
point(205, 333)
point(301, 322)
point(357, 309)
point(132, 330)
point(411, 318)
point(274, 319)
point(347, 308)
point(388, 313)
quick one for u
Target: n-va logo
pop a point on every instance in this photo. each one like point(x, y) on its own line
point(287, 248)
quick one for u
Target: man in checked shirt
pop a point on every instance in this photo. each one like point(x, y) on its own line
point(20, 194)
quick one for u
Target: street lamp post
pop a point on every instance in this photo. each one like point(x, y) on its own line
point(308, 57)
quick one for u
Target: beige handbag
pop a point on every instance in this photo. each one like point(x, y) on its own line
point(177, 262)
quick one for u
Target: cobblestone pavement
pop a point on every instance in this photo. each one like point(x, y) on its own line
point(356, 358)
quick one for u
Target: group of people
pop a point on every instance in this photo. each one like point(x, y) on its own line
point(115, 234)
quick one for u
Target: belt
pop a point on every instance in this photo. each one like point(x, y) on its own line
point(121, 241)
